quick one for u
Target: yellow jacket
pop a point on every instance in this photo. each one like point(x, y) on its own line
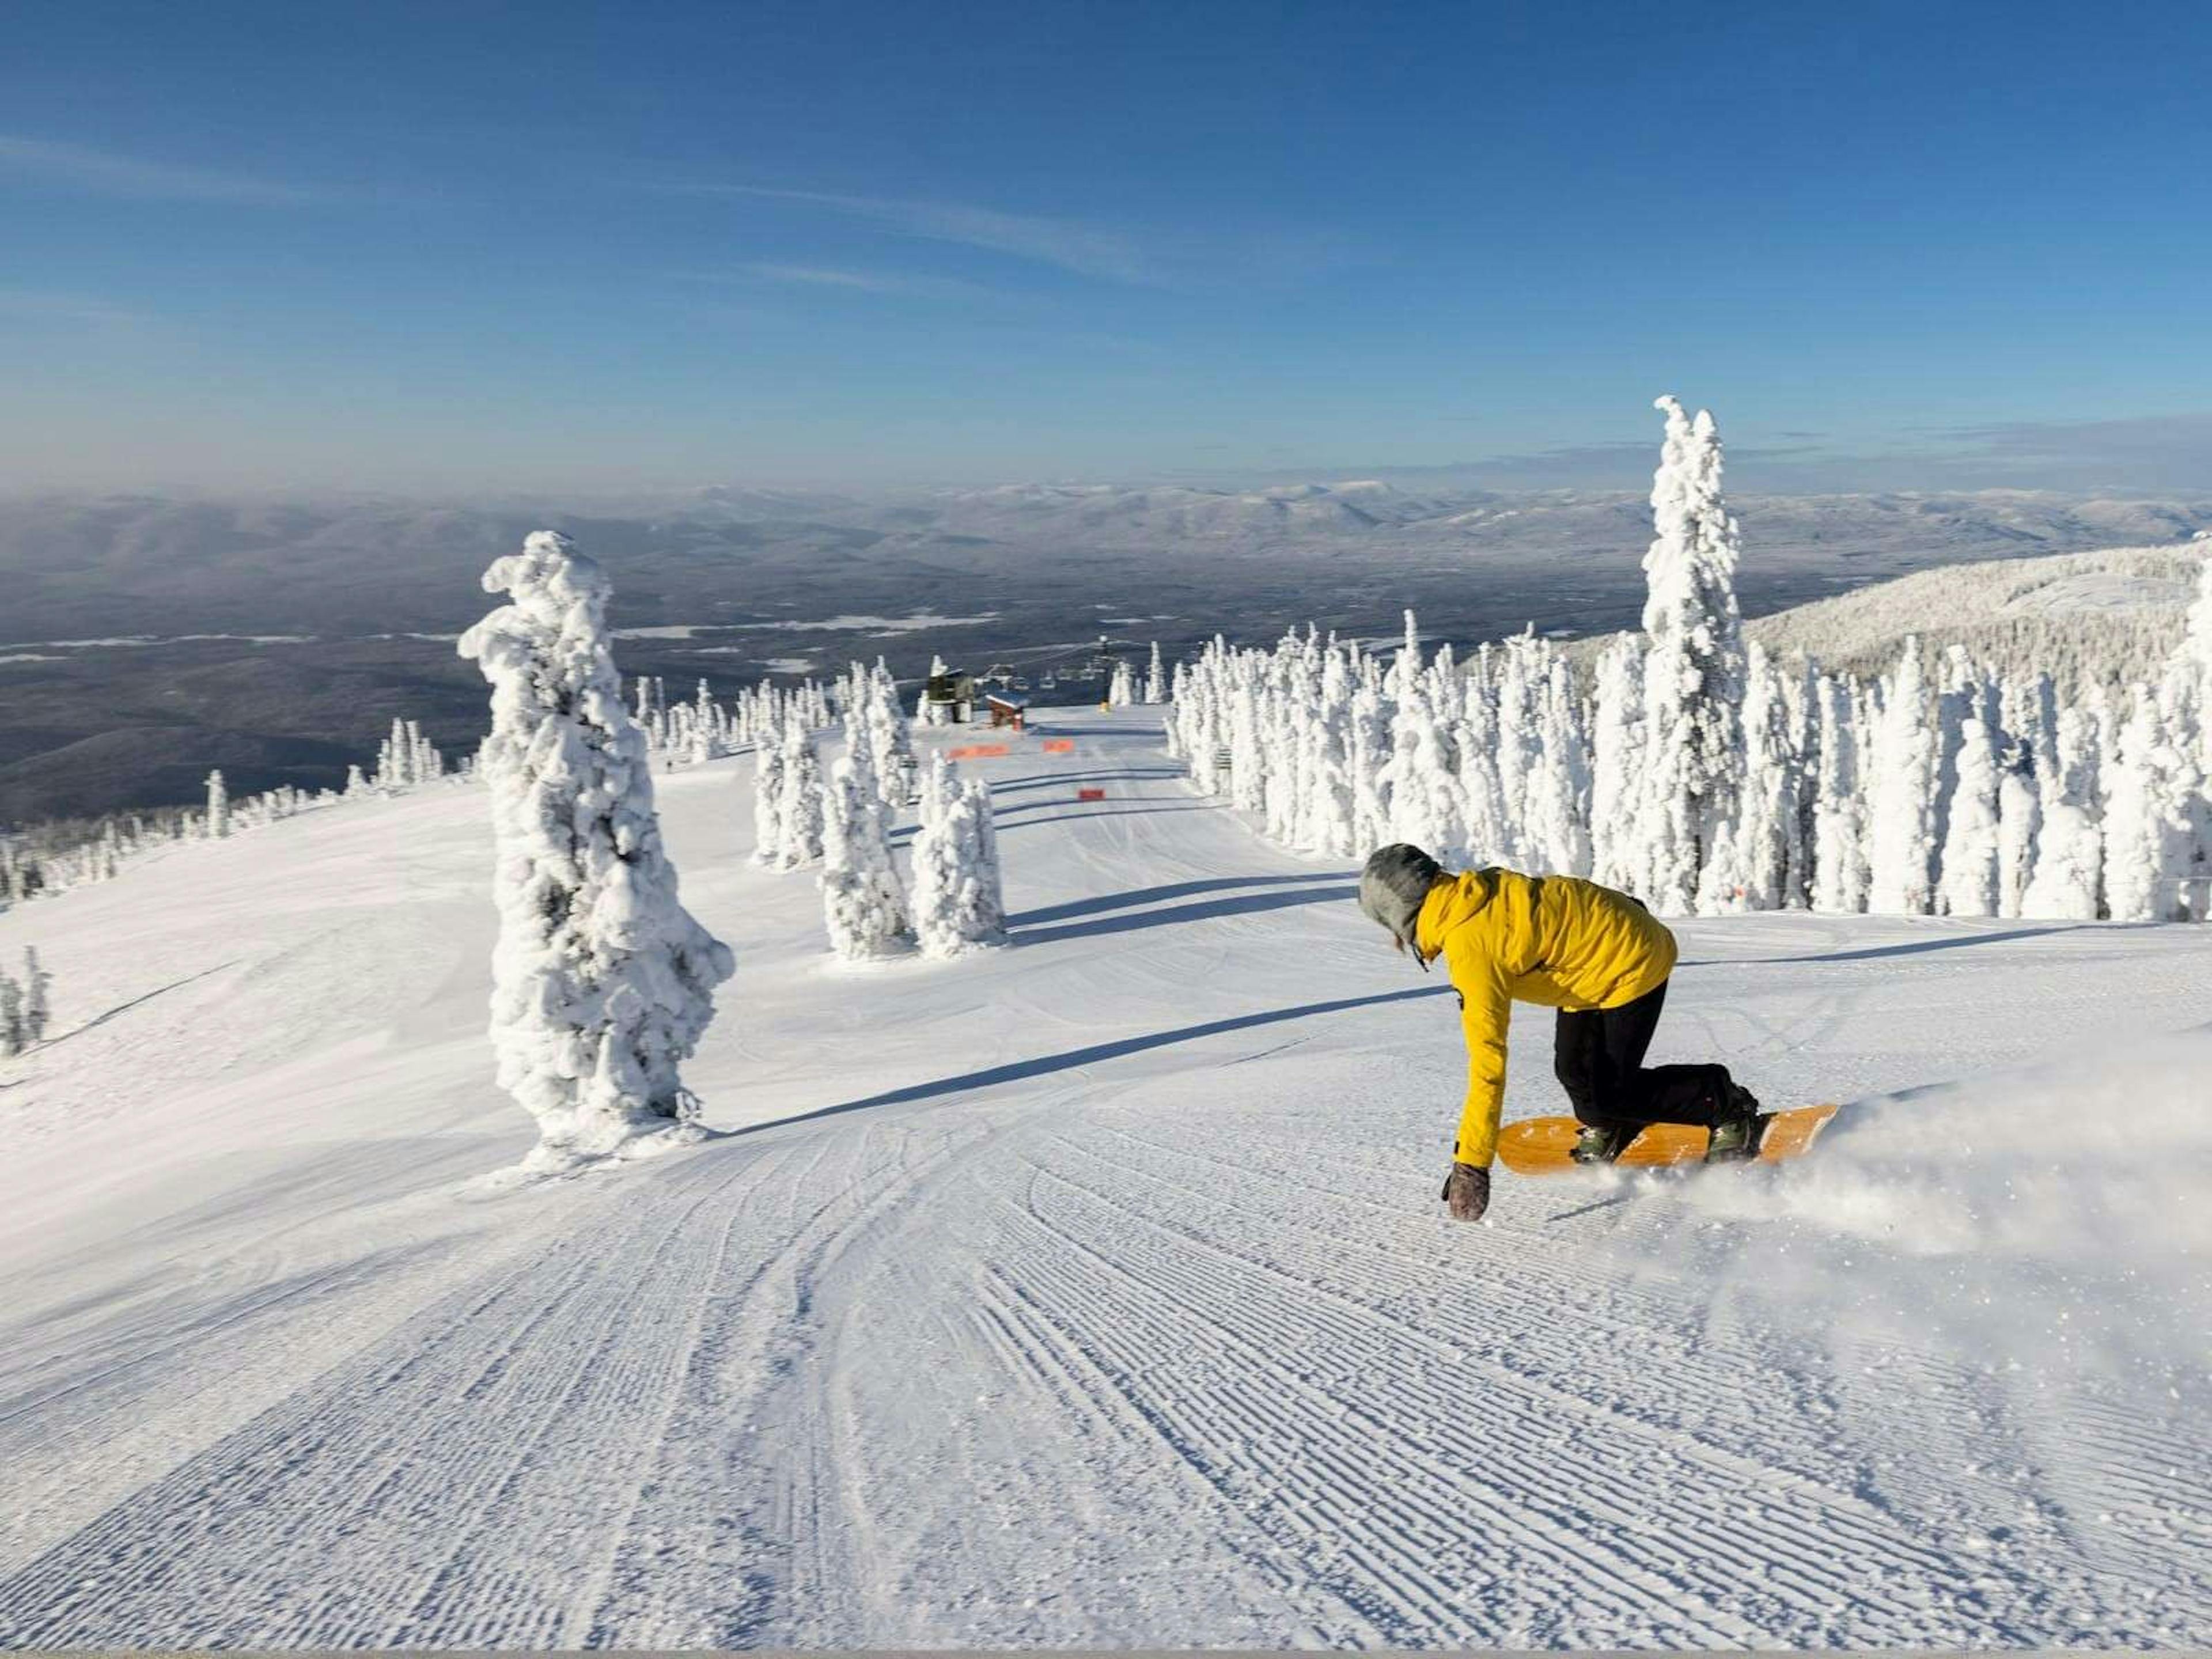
point(1508, 938)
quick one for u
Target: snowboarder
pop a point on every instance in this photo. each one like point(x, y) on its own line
point(1598, 956)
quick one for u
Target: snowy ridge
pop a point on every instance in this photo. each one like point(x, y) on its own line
point(1091, 1291)
point(2110, 615)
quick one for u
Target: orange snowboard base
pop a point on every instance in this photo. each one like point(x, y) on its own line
point(1538, 1145)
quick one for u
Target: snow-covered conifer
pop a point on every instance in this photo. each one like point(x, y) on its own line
point(218, 807)
point(862, 905)
point(1900, 830)
point(1767, 816)
point(38, 997)
point(1156, 680)
point(1426, 804)
point(13, 1039)
point(1617, 740)
point(1369, 758)
point(1555, 824)
point(1839, 868)
point(1122, 689)
point(1972, 830)
point(956, 905)
point(602, 981)
point(768, 800)
point(2149, 842)
point(800, 815)
point(1692, 665)
point(2068, 882)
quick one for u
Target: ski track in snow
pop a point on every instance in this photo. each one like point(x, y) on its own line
point(1092, 1291)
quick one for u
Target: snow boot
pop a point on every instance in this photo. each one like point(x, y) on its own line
point(1738, 1131)
point(1602, 1143)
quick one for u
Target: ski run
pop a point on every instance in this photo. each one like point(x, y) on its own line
point(1086, 1290)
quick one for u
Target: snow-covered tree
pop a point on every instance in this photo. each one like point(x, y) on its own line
point(1555, 804)
point(2149, 841)
point(1693, 666)
point(218, 807)
point(889, 740)
point(602, 981)
point(800, 815)
point(1840, 866)
point(1156, 682)
point(1427, 806)
point(1766, 819)
point(768, 800)
point(1974, 828)
point(1901, 826)
point(1122, 689)
point(2068, 878)
point(956, 903)
point(38, 1004)
point(13, 1037)
point(862, 905)
point(1617, 739)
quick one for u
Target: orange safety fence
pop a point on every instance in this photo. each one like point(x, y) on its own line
point(1060, 745)
point(977, 751)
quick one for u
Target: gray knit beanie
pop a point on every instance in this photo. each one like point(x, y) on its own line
point(1397, 880)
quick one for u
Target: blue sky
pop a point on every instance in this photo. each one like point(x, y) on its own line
point(470, 246)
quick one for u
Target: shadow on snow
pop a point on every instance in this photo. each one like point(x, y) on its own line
point(1045, 1065)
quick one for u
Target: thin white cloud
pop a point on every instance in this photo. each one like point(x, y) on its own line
point(839, 279)
point(99, 172)
point(1073, 245)
point(73, 310)
point(863, 282)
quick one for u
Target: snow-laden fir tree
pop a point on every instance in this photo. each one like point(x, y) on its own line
point(1901, 810)
point(1617, 739)
point(13, 1037)
point(2068, 882)
point(863, 906)
point(1693, 666)
point(956, 903)
point(1555, 834)
point(705, 735)
point(218, 807)
point(1490, 835)
point(768, 799)
point(602, 981)
point(1767, 818)
point(1122, 689)
point(1973, 827)
point(1370, 754)
point(38, 996)
point(1839, 868)
point(889, 740)
point(1156, 681)
point(1326, 822)
point(2149, 840)
point(1426, 804)
point(800, 814)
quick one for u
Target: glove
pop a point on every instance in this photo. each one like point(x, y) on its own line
point(1467, 1189)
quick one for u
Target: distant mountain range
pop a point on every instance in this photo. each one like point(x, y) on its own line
point(145, 640)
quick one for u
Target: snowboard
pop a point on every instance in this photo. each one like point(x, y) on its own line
point(1538, 1145)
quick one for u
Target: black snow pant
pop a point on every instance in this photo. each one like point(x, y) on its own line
point(1599, 1057)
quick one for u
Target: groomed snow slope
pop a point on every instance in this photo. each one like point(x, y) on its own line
point(1092, 1292)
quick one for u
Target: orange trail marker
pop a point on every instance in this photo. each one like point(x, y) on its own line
point(1060, 745)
